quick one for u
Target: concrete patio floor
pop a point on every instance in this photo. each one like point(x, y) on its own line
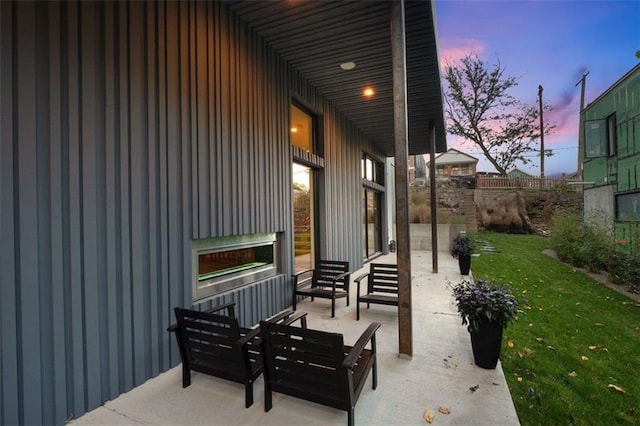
point(441, 373)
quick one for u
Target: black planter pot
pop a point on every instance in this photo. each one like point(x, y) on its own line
point(465, 264)
point(486, 343)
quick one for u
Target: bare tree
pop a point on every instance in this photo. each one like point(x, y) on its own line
point(480, 109)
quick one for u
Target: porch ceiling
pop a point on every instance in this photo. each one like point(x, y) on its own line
point(317, 36)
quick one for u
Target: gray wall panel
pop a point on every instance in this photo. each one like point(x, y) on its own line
point(127, 130)
point(10, 406)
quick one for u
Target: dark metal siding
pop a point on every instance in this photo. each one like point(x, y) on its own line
point(126, 130)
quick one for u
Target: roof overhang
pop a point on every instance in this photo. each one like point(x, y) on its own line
point(316, 37)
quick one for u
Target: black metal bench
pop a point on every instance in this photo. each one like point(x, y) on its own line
point(382, 286)
point(317, 366)
point(215, 344)
point(329, 280)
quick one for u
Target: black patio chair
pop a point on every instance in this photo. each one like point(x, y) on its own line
point(316, 365)
point(215, 344)
point(330, 279)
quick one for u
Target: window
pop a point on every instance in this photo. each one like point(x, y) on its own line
point(303, 217)
point(372, 171)
point(371, 223)
point(225, 263)
point(302, 129)
point(611, 134)
point(600, 137)
point(306, 135)
point(595, 138)
point(628, 207)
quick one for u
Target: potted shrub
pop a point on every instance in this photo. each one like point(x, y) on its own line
point(486, 309)
point(461, 249)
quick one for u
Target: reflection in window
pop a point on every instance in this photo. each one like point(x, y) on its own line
point(628, 207)
point(303, 206)
point(595, 138)
point(372, 170)
point(302, 129)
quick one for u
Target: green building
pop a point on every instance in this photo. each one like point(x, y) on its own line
point(611, 170)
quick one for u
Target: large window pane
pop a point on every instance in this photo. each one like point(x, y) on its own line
point(595, 136)
point(302, 130)
point(303, 217)
point(628, 207)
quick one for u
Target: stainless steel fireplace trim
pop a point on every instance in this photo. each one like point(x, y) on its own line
point(215, 286)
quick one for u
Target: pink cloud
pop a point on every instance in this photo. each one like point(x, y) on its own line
point(454, 49)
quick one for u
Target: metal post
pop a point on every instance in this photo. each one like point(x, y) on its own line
point(541, 133)
point(582, 82)
point(405, 332)
point(434, 200)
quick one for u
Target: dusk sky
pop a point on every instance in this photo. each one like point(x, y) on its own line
point(545, 42)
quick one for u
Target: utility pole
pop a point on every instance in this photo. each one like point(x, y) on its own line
point(541, 133)
point(582, 82)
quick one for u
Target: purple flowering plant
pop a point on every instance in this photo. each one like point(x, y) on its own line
point(461, 246)
point(482, 301)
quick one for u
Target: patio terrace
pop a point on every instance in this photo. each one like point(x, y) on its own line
point(441, 373)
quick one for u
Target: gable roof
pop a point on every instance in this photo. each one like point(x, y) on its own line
point(453, 156)
point(517, 172)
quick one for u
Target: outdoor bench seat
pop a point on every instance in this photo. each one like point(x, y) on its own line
point(215, 344)
point(329, 280)
point(316, 365)
point(382, 286)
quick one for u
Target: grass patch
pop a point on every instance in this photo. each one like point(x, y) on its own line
point(573, 339)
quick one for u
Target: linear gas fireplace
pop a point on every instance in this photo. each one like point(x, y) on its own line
point(226, 263)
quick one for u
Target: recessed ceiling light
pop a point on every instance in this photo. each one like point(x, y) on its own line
point(348, 66)
point(368, 92)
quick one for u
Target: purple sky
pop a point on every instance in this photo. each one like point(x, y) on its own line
point(549, 43)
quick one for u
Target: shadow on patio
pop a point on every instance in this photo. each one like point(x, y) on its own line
point(441, 372)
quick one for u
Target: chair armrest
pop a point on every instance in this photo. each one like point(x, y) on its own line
point(356, 350)
point(302, 316)
point(335, 279)
point(287, 317)
point(297, 274)
point(296, 278)
point(360, 278)
point(342, 275)
point(251, 334)
point(228, 306)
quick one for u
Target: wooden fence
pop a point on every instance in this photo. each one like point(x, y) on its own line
point(528, 182)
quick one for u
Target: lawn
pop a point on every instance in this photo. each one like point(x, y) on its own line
point(573, 355)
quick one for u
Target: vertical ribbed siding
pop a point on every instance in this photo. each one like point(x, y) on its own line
point(126, 131)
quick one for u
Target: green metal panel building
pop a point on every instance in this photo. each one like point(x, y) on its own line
point(611, 171)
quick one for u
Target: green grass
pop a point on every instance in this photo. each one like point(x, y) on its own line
point(565, 316)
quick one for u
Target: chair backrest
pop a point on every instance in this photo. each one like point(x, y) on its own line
point(383, 278)
point(309, 362)
point(326, 270)
point(207, 337)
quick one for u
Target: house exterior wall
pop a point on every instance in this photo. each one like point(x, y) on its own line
point(128, 130)
point(618, 169)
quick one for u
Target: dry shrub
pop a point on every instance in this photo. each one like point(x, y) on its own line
point(419, 214)
point(504, 213)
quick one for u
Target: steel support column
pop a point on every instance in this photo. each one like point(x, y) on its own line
point(434, 200)
point(401, 152)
